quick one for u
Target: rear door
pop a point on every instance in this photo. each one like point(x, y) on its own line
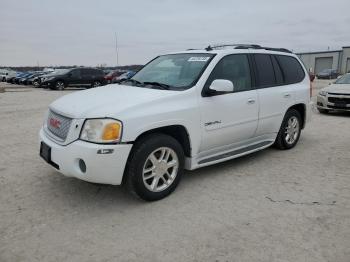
point(87, 76)
point(277, 78)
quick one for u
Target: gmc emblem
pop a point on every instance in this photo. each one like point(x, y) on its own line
point(55, 123)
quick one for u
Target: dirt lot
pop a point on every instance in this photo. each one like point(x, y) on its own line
point(270, 206)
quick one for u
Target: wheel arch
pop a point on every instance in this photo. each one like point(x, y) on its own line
point(301, 108)
point(178, 132)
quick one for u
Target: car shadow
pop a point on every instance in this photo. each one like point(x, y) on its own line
point(337, 114)
point(74, 192)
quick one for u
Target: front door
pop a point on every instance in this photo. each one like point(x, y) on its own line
point(75, 77)
point(230, 118)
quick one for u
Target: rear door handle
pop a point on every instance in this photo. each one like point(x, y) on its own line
point(251, 101)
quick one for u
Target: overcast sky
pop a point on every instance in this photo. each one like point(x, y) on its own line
point(82, 32)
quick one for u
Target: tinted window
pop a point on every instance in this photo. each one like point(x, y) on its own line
point(75, 73)
point(234, 68)
point(291, 68)
point(265, 72)
point(87, 72)
point(278, 71)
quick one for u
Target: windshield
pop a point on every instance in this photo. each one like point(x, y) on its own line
point(178, 71)
point(345, 79)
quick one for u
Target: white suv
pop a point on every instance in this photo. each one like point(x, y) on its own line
point(181, 111)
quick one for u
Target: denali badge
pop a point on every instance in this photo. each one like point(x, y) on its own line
point(55, 123)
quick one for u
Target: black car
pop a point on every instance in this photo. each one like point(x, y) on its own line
point(328, 74)
point(62, 78)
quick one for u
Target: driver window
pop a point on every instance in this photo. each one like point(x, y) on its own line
point(234, 68)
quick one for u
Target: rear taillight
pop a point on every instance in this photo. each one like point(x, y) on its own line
point(310, 89)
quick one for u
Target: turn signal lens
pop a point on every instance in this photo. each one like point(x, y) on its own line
point(105, 130)
point(111, 131)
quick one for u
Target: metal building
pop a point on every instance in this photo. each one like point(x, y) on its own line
point(318, 61)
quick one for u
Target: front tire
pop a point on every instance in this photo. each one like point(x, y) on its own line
point(155, 166)
point(289, 133)
point(59, 85)
point(36, 84)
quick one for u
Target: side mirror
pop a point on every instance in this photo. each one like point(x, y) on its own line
point(220, 86)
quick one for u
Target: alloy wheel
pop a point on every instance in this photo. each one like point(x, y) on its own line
point(292, 130)
point(160, 169)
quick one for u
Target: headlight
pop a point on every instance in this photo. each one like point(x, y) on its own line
point(104, 130)
point(322, 93)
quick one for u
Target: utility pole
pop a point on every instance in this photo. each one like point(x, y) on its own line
point(116, 48)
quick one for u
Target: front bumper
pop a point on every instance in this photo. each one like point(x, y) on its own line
point(100, 168)
point(323, 103)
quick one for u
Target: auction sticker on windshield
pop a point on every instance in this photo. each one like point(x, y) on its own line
point(198, 59)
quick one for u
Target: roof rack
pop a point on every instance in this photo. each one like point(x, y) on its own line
point(247, 46)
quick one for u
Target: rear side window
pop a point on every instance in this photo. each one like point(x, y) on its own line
point(291, 68)
point(265, 72)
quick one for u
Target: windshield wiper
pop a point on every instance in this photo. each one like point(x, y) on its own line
point(132, 81)
point(161, 85)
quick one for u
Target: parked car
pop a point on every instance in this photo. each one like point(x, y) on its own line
point(63, 78)
point(181, 111)
point(123, 77)
point(113, 74)
point(328, 74)
point(23, 80)
point(37, 80)
point(8, 75)
point(5, 73)
point(335, 96)
point(29, 80)
point(15, 79)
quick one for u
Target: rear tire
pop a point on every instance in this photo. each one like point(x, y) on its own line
point(96, 84)
point(289, 133)
point(155, 166)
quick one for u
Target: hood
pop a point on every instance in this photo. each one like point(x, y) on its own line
point(338, 88)
point(107, 101)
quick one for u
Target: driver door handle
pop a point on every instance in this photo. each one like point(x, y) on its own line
point(251, 101)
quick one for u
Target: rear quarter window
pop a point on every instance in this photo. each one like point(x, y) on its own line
point(291, 69)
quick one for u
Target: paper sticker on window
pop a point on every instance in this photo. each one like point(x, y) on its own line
point(198, 59)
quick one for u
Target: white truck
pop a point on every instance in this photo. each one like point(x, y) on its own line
point(182, 110)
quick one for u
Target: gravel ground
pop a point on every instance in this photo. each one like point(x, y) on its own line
point(269, 206)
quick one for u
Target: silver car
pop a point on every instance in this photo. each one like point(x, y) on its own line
point(335, 96)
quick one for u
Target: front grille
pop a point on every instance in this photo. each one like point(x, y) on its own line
point(58, 125)
point(339, 100)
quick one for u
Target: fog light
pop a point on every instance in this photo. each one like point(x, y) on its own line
point(82, 165)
